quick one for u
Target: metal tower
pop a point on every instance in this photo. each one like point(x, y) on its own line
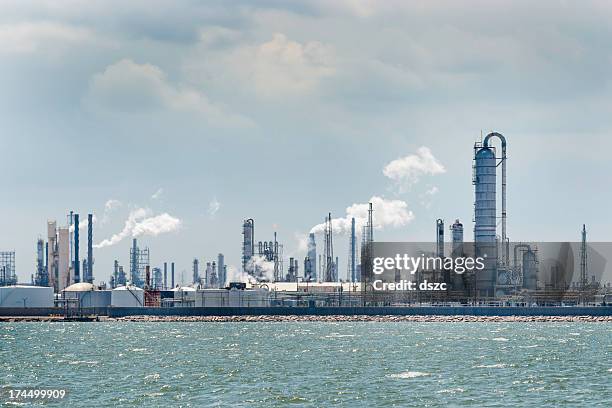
point(248, 243)
point(353, 247)
point(90, 261)
point(76, 266)
point(584, 280)
point(440, 237)
point(329, 251)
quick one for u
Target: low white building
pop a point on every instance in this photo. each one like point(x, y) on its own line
point(26, 296)
point(232, 298)
point(127, 296)
point(184, 296)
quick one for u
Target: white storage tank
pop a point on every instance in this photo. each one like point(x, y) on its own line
point(85, 294)
point(127, 296)
point(26, 296)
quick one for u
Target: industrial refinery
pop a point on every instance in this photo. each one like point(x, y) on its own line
point(514, 273)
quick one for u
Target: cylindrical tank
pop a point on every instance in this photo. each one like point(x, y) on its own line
point(127, 296)
point(440, 237)
point(484, 207)
point(26, 296)
point(530, 270)
point(457, 236)
point(484, 217)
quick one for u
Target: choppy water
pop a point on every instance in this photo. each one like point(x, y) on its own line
point(312, 364)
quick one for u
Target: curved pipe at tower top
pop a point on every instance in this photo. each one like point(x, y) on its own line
point(498, 135)
point(485, 144)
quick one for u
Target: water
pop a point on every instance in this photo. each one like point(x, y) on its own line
point(312, 363)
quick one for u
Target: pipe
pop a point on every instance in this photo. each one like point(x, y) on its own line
point(503, 162)
point(516, 247)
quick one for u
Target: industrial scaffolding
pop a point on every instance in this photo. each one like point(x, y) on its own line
point(139, 261)
point(7, 268)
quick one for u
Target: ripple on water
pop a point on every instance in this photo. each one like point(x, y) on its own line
point(408, 374)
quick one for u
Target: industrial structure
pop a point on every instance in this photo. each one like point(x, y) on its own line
point(7, 268)
point(139, 262)
point(330, 265)
point(317, 282)
point(60, 265)
point(248, 244)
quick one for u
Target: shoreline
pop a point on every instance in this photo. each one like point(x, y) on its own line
point(319, 318)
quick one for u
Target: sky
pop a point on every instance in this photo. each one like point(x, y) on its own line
point(174, 121)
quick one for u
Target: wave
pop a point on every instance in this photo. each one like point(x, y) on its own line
point(408, 374)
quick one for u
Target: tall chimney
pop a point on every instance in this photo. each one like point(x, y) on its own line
point(172, 272)
point(147, 277)
point(165, 275)
point(89, 278)
point(77, 265)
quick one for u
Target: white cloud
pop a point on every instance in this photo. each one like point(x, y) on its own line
point(275, 69)
point(112, 204)
point(158, 194)
point(30, 37)
point(433, 190)
point(426, 197)
point(407, 171)
point(283, 66)
point(213, 207)
point(129, 87)
point(387, 213)
point(141, 222)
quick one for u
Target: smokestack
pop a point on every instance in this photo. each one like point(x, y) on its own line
point(77, 265)
point(147, 277)
point(353, 247)
point(221, 267)
point(172, 273)
point(89, 278)
point(165, 275)
point(115, 274)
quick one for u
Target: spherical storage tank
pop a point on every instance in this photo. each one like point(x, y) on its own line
point(85, 294)
point(127, 296)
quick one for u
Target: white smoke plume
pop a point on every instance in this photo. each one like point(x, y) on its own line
point(109, 207)
point(406, 171)
point(387, 213)
point(213, 207)
point(158, 194)
point(262, 267)
point(236, 275)
point(427, 196)
point(141, 222)
point(83, 223)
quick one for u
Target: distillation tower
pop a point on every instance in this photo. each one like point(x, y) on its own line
point(485, 215)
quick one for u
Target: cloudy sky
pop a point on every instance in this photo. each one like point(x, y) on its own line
point(174, 121)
